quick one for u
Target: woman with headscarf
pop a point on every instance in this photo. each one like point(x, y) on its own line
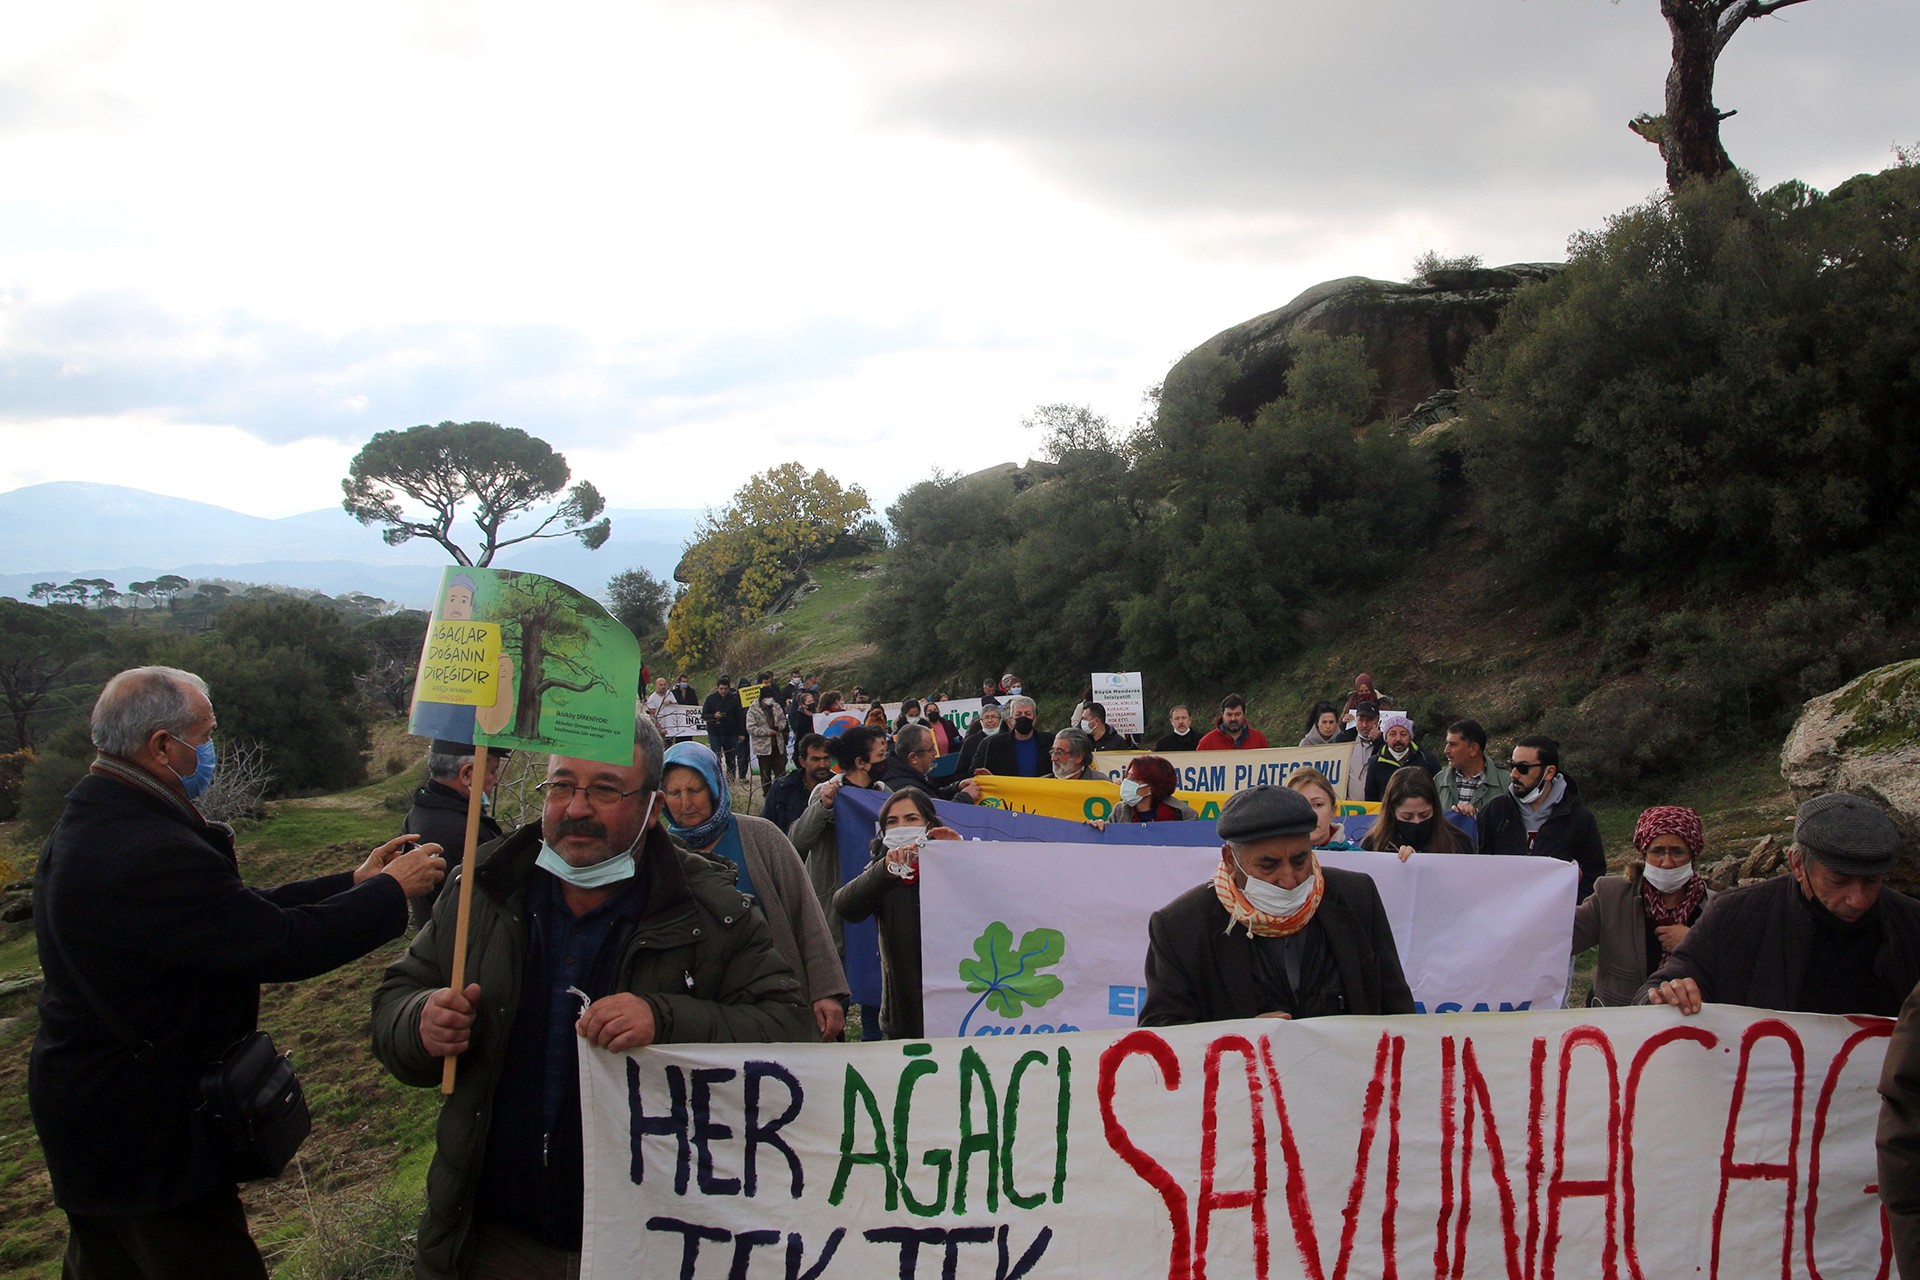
point(700, 817)
point(889, 890)
point(1363, 691)
point(1639, 917)
point(1313, 784)
point(1411, 820)
point(979, 733)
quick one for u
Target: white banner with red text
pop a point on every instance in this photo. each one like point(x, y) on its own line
point(1618, 1142)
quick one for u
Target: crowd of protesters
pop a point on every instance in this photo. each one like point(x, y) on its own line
point(644, 907)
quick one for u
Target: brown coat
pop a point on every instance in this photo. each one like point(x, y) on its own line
point(1899, 1137)
point(1614, 919)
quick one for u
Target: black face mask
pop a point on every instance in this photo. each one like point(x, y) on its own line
point(1023, 725)
point(1418, 834)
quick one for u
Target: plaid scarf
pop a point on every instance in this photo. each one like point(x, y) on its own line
point(1682, 913)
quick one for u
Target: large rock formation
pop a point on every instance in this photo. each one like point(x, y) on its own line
point(1864, 738)
point(1415, 335)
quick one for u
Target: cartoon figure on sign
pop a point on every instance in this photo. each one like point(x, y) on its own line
point(489, 708)
point(1010, 980)
point(488, 717)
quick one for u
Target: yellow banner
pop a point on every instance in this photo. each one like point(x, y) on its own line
point(1091, 801)
point(460, 663)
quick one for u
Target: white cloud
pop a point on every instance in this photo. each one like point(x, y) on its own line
point(238, 239)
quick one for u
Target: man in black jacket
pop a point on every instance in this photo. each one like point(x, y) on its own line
point(1398, 751)
point(1827, 937)
point(1184, 736)
point(787, 798)
point(910, 764)
point(1275, 934)
point(727, 727)
point(1542, 814)
point(1021, 753)
point(439, 812)
point(139, 905)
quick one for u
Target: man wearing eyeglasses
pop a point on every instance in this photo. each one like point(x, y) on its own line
point(591, 905)
point(1541, 814)
point(911, 762)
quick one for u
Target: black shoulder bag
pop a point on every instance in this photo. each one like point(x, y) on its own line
point(251, 1105)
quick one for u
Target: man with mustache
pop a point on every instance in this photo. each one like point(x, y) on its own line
point(592, 904)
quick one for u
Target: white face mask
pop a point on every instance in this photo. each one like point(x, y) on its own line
point(1528, 797)
point(1668, 879)
point(902, 836)
point(1274, 900)
point(1131, 792)
point(1086, 726)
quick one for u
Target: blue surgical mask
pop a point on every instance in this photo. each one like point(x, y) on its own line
point(196, 783)
point(615, 870)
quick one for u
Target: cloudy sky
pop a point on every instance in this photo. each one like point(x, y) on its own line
point(684, 242)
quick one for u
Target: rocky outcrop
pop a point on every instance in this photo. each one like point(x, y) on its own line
point(1415, 335)
point(1864, 738)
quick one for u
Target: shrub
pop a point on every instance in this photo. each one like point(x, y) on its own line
point(13, 774)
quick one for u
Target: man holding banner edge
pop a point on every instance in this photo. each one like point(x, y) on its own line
point(1313, 940)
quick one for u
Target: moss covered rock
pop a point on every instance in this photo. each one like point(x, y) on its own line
point(1864, 738)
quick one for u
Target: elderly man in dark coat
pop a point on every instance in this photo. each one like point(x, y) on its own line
point(1274, 934)
point(148, 934)
point(1827, 937)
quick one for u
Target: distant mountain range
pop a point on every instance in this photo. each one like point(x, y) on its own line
point(70, 529)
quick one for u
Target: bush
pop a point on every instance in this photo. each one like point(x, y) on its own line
point(55, 769)
point(13, 775)
point(1717, 392)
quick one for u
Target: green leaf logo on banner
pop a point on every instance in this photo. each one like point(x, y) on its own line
point(520, 661)
point(1011, 979)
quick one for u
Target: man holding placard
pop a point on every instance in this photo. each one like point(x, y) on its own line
point(591, 925)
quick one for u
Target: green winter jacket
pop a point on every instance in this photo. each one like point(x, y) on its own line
point(700, 956)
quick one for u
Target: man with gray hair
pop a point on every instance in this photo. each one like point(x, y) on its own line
point(591, 904)
point(1071, 757)
point(1021, 753)
point(439, 812)
point(154, 950)
point(1827, 937)
point(910, 764)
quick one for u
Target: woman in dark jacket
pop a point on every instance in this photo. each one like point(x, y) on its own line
point(889, 891)
point(1411, 820)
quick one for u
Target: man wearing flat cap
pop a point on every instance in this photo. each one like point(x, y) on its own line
point(439, 812)
point(1274, 934)
point(1827, 937)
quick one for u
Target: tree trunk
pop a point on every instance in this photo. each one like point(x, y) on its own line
point(1691, 144)
point(533, 662)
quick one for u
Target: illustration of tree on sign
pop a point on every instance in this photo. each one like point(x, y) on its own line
point(1010, 980)
point(543, 627)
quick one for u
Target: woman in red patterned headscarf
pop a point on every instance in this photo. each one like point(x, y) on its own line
point(1638, 918)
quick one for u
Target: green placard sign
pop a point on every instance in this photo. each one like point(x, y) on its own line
point(521, 661)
